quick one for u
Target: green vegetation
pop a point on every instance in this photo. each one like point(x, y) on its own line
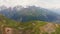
point(57, 30)
point(31, 26)
point(45, 33)
point(53, 32)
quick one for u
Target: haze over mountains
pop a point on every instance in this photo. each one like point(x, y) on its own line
point(29, 13)
point(56, 10)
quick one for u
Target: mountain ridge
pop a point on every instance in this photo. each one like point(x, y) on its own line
point(22, 14)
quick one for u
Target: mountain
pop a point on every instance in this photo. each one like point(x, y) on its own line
point(29, 13)
point(29, 20)
point(56, 10)
point(9, 26)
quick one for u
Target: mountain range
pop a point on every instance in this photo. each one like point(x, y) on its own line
point(56, 10)
point(28, 20)
point(29, 13)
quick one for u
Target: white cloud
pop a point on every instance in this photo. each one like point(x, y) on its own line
point(42, 3)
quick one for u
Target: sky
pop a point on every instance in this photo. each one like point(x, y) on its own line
point(40, 3)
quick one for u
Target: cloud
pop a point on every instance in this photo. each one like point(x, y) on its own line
point(41, 3)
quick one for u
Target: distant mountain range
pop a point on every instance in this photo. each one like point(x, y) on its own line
point(29, 13)
point(56, 10)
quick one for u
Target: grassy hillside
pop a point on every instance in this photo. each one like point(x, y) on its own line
point(30, 27)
